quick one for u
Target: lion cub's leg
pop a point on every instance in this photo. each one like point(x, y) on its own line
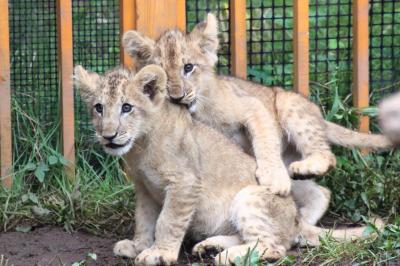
point(312, 200)
point(265, 222)
point(146, 214)
point(266, 138)
point(216, 243)
point(303, 123)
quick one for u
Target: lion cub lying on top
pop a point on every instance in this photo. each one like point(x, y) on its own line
point(189, 179)
point(234, 107)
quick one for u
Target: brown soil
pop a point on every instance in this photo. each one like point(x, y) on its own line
point(51, 245)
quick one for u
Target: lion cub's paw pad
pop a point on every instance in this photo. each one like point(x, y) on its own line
point(228, 256)
point(313, 166)
point(154, 256)
point(125, 248)
point(204, 246)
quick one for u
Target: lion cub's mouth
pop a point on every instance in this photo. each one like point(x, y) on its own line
point(117, 146)
point(192, 106)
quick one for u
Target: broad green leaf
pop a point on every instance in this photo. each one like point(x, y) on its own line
point(30, 167)
point(52, 160)
point(23, 228)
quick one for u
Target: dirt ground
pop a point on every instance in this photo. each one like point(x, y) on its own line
point(52, 245)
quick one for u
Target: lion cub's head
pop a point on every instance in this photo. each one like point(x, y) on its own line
point(188, 59)
point(122, 104)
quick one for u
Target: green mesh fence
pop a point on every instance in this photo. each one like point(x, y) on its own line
point(384, 49)
point(269, 41)
point(33, 45)
point(195, 13)
point(96, 42)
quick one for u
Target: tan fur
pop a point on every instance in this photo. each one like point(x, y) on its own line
point(236, 107)
point(189, 179)
point(389, 117)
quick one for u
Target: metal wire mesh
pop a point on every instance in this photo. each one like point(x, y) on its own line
point(331, 42)
point(195, 13)
point(269, 41)
point(384, 63)
point(33, 45)
point(96, 42)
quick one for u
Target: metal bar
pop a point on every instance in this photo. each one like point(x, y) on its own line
point(301, 47)
point(65, 69)
point(237, 9)
point(127, 22)
point(5, 99)
point(360, 60)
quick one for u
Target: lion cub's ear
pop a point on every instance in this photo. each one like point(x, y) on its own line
point(86, 82)
point(206, 35)
point(138, 46)
point(152, 81)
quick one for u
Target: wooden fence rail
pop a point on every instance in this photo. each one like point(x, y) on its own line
point(152, 17)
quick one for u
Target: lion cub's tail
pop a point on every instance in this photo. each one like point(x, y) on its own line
point(310, 234)
point(342, 136)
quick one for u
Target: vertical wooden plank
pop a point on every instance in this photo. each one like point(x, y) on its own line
point(237, 9)
point(156, 16)
point(127, 22)
point(65, 69)
point(5, 98)
point(181, 15)
point(301, 47)
point(360, 59)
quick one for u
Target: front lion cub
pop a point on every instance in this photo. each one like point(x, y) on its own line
point(235, 107)
point(189, 179)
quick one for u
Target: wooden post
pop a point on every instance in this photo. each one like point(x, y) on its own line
point(151, 17)
point(65, 69)
point(238, 38)
point(156, 16)
point(360, 60)
point(5, 98)
point(127, 22)
point(301, 47)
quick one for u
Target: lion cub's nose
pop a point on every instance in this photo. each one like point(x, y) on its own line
point(110, 137)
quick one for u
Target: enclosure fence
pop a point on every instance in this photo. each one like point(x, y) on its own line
point(288, 42)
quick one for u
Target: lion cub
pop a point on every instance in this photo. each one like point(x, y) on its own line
point(236, 107)
point(389, 117)
point(189, 179)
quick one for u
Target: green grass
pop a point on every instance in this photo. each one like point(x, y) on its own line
point(98, 199)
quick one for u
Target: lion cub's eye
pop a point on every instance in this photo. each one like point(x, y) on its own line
point(126, 108)
point(188, 68)
point(99, 108)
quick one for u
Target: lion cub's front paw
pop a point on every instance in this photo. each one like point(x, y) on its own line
point(156, 256)
point(128, 248)
point(277, 181)
point(318, 164)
